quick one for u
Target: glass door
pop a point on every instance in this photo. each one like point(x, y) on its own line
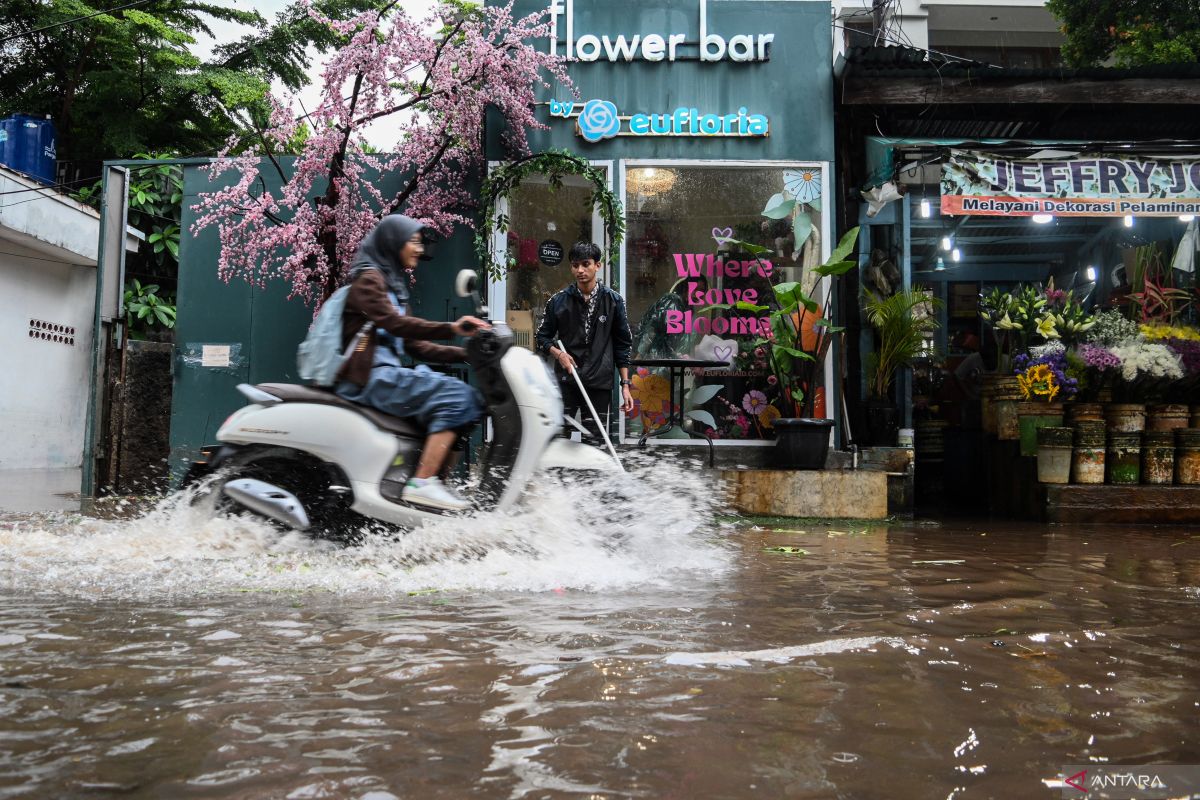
point(543, 222)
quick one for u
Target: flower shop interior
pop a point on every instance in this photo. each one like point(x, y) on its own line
point(1102, 157)
point(1060, 355)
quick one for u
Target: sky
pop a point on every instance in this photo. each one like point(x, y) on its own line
point(381, 134)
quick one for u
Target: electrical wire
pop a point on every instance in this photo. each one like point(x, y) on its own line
point(8, 39)
point(62, 185)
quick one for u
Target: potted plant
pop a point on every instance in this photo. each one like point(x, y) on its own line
point(901, 321)
point(1045, 384)
point(794, 345)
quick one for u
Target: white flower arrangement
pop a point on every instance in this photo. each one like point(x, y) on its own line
point(1052, 349)
point(1149, 360)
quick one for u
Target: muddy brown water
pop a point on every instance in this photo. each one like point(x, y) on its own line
point(154, 659)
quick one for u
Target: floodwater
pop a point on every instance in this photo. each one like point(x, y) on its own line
point(560, 653)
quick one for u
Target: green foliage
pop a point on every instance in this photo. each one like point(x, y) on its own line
point(1156, 298)
point(792, 356)
point(145, 310)
point(554, 164)
point(128, 82)
point(1131, 32)
point(901, 320)
point(156, 206)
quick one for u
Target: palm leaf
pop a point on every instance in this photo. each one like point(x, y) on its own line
point(901, 327)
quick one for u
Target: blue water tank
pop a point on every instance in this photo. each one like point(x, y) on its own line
point(27, 144)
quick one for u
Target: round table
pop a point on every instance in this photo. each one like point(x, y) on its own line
point(675, 368)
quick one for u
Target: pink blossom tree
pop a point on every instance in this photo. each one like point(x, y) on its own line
point(438, 76)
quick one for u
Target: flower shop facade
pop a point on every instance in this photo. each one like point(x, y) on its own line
point(1057, 230)
point(712, 121)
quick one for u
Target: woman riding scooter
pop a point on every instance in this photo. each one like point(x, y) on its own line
point(373, 374)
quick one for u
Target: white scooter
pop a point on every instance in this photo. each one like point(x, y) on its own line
point(315, 462)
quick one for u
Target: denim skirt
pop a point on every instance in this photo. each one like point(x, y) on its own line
point(437, 402)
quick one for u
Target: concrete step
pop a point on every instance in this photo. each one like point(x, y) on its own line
point(827, 494)
point(1122, 504)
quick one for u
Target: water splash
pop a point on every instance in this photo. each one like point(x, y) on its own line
point(642, 528)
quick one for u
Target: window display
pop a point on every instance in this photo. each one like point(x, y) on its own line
point(687, 270)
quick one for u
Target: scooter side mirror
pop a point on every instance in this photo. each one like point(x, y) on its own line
point(466, 284)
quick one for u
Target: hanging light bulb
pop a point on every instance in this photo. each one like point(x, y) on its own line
point(940, 266)
point(1091, 274)
point(946, 243)
point(956, 254)
point(1186, 217)
point(926, 211)
point(1042, 219)
point(1129, 220)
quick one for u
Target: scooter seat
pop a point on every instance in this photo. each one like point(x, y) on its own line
point(294, 393)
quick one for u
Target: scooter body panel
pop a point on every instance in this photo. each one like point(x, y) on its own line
point(338, 435)
point(332, 434)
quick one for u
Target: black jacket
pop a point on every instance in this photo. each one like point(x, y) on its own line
point(611, 342)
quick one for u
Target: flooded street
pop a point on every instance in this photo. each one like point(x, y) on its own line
point(547, 656)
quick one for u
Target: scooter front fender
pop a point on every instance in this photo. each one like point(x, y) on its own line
point(565, 454)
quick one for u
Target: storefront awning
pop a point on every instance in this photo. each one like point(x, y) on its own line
point(917, 94)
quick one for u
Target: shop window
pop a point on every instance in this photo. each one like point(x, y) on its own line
point(683, 224)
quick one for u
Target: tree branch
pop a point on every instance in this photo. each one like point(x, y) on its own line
point(403, 196)
point(394, 109)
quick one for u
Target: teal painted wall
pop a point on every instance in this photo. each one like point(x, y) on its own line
point(794, 88)
point(262, 324)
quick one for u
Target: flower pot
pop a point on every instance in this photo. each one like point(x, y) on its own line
point(1087, 460)
point(882, 423)
point(1008, 425)
point(1090, 433)
point(1032, 416)
point(801, 443)
point(1054, 454)
point(1125, 417)
point(996, 388)
point(1124, 460)
point(1087, 464)
point(1164, 417)
point(1084, 412)
point(1158, 457)
point(1187, 456)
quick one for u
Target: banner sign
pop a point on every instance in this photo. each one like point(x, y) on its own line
point(982, 184)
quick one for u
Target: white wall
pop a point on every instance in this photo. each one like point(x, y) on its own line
point(1011, 23)
point(43, 384)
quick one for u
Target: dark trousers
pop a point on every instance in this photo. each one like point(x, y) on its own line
point(574, 405)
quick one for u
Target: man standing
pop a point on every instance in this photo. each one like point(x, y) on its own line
point(593, 325)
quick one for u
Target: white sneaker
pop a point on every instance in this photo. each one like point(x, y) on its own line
point(433, 493)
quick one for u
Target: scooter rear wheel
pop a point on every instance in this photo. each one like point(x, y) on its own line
point(308, 478)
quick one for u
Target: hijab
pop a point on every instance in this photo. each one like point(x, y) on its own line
point(381, 250)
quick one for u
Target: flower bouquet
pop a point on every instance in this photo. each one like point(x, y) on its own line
point(1043, 380)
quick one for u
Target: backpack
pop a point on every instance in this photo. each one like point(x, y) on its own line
point(320, 357)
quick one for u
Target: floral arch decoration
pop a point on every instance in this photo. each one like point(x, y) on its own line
point(554, 165)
